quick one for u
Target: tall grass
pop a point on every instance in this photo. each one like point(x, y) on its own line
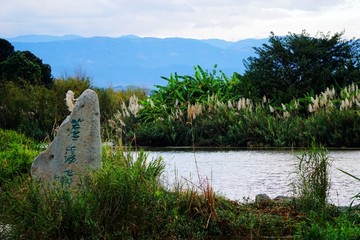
point(16, 155)
point(331, 118)
point(126, 200)
point(313, 183)
point(117, 200)
point(323, 220)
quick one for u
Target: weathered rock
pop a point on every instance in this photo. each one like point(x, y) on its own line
point(262, 198)
point(76, 149)
point(282, 199)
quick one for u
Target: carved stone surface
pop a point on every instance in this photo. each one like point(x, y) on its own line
point(76, 149)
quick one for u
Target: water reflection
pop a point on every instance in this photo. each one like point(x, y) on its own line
point(244, 174)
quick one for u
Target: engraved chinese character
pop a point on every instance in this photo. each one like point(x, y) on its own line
point(75, 128)
point(67, 178)
point(69, 172)
point(70, 154)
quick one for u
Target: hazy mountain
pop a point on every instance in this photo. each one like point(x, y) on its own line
point(131, 60)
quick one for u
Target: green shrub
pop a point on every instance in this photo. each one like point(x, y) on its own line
point(27, 109)
point(17, 153)
point(343, 228)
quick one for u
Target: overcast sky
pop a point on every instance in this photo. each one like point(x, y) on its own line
point(201, 19)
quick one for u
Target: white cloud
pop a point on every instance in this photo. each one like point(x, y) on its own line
point(227, 19)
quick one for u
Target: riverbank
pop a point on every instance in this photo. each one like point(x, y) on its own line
point(196, 216)
point(127, 199)
point(225, 148)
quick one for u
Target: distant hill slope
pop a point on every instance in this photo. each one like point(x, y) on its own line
point(131, 60)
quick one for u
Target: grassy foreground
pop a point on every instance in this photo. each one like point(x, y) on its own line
point(126, 200)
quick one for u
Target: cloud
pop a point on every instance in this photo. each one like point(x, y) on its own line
point(229, 19)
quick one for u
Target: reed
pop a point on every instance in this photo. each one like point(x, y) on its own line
point(212, 119)
point(313, 183)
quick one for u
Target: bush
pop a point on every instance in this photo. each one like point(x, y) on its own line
point(17, 153)
point(342, 228)
point(27, 109)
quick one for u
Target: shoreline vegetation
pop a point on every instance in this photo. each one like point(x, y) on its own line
point(299, 92)
point(328, 118)
point(126, 200)
point(204, 148)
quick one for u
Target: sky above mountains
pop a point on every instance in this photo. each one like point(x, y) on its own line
point(231, 20)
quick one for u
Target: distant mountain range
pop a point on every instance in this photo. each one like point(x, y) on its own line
point(131, 60)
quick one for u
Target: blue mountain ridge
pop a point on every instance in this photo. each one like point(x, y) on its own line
point(132, 60)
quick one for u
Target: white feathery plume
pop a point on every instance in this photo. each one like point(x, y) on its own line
point(70, 100)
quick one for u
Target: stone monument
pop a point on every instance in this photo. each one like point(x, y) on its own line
point(76, 149)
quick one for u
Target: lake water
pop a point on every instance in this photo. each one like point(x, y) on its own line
point(240, 175)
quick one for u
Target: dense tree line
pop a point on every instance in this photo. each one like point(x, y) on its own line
point(296, 88)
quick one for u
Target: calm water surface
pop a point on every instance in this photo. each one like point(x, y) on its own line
point(240, 175)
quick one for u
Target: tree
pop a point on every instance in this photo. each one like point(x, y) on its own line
point(6, 49)
point(23, 67)
point(292, 66)
point(45, 78)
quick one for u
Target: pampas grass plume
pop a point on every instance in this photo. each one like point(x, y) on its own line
point(70, 100)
